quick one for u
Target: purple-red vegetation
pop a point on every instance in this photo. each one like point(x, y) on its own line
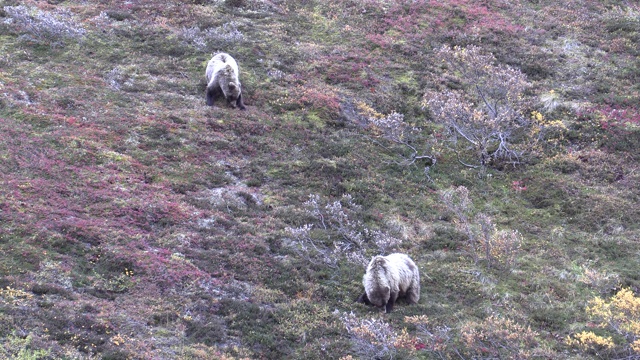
point(319, 99)
point(615, 117)
point(68, 186)
point(354, 70)
point(621, 126)
point(413, 25)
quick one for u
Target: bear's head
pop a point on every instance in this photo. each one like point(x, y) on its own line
point(233, 94)
point(379, 297)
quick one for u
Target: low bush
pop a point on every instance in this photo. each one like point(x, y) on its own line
point(52, 28)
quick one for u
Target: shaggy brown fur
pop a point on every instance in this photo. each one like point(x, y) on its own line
point(388, 278)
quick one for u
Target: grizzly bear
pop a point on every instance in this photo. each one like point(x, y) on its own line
point(223, 79)
point(389, 277)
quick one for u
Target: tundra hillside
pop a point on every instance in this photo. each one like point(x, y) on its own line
point(494, 142)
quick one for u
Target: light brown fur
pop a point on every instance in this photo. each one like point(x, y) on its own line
point(389, 277)
point(223, 79)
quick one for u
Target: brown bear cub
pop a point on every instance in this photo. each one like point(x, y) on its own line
point(223, 79)
point(388, 278)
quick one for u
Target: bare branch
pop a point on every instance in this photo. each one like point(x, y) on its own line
point(493, 110)
point(487, 113)
point(396, 131)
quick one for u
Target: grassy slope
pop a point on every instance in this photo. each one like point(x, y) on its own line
point(139, 223)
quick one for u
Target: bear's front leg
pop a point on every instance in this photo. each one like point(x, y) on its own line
point(212, 94)
point(391, 302)
point(363, 299)
point(239, 103)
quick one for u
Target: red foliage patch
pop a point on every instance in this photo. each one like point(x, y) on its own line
point(352, 70)
point(416, 23)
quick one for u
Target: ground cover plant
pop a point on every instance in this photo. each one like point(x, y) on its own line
point(494, 142)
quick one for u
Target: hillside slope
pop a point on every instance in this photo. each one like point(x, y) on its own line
point(494, 142)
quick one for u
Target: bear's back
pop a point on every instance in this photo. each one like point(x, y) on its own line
point(221, 63)
point(406, 268)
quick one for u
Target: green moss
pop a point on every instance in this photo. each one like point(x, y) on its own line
point(445, 238)
point(551, 318)
point(257, 325)
point(208, 331)
point(314, 119)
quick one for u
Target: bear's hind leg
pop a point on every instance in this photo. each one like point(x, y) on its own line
point(413, 294)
